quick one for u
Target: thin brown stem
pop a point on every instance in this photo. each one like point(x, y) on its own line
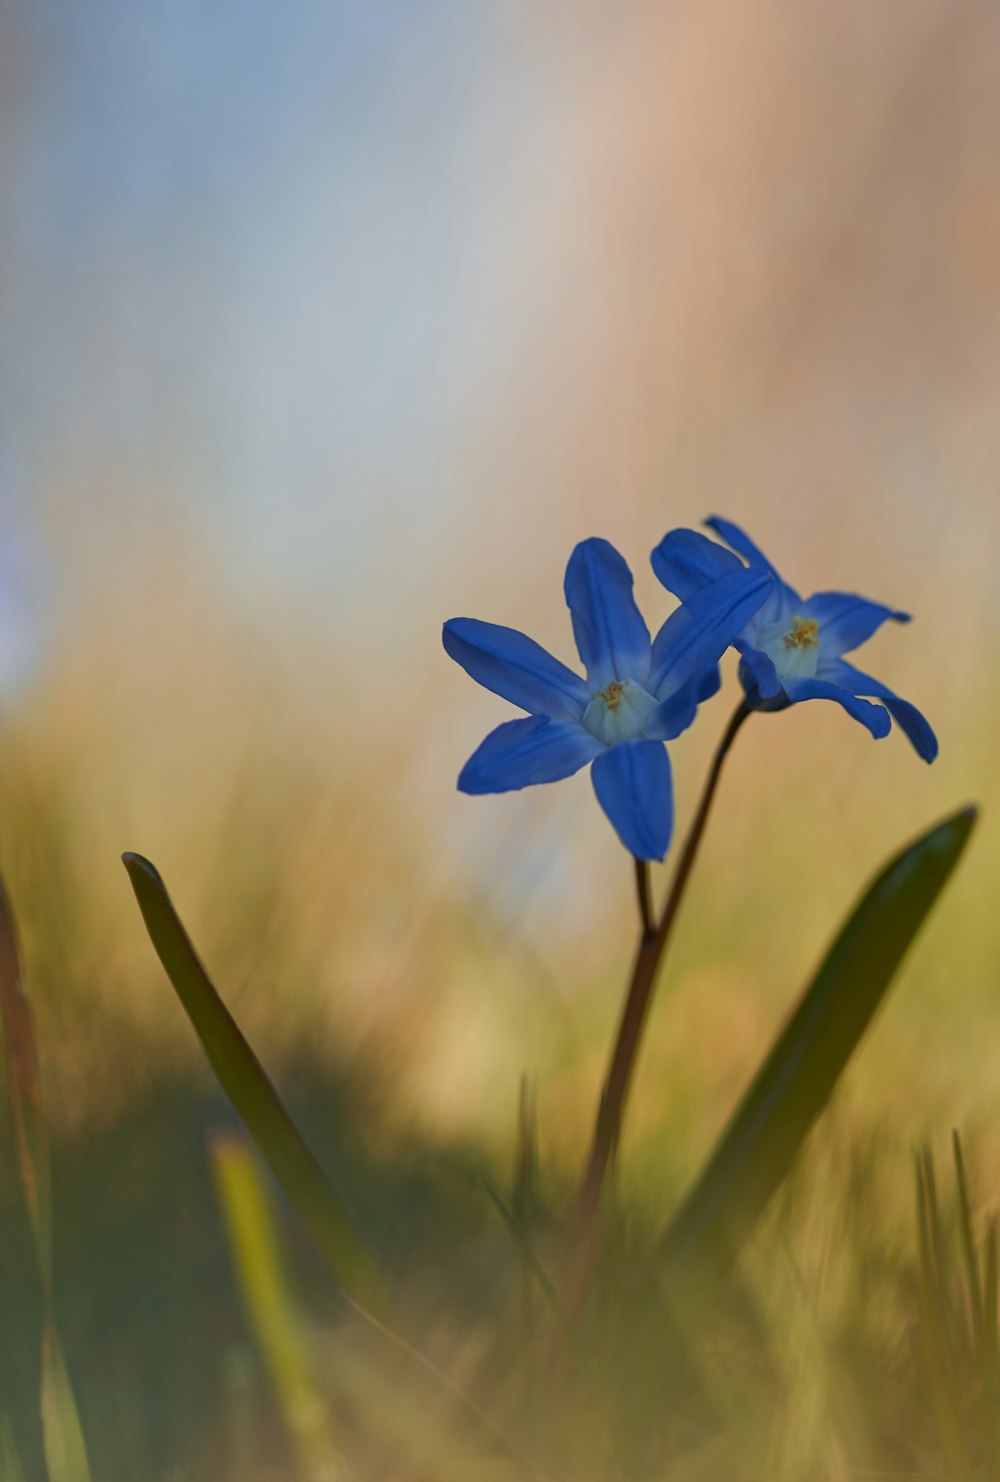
point(644, 897)
point(649, 955)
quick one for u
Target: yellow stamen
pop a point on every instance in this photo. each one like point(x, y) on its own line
point(612, 696)
point(804, 633)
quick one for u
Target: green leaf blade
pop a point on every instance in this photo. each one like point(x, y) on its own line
point(62, 1434)
point(11, 1469)
point(798, 1076)
point(270, 1305)
point(248, 1087)
point(24, 1080)
point(65, 1448)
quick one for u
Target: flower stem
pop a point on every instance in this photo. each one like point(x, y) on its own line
point(644, 897)
point(649, 954)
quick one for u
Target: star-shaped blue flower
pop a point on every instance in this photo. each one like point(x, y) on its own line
point(637, 695)
point(792, 649)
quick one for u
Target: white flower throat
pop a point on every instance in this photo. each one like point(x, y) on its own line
point(794, 650)
point(619, 712)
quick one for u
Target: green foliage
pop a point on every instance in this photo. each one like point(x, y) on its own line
point(799, 1074)
point(507, 1385)
point(957, 1293)
point(10, 1462)
point(246, 1084)
point(65, 1448)
point(271, 1308)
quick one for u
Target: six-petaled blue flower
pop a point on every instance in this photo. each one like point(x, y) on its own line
point(792, 649)
point(637, 695)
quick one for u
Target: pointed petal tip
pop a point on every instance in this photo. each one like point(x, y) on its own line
point(928, 752)
point(522, 753)
point(515, 667)
point(633, 784)
point(611, 635)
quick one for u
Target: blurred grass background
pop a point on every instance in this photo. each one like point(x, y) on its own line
point(321, 324)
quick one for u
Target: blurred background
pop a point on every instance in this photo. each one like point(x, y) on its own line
point(321, 323)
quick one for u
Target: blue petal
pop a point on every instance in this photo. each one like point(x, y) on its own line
point(685, 561)
point(634, 787)
point(522, 752)
point(610, 633)
point(511, 665)
point(740, 541)
point(906, 716)
point(709, 684)
point(872, 716)
point(695, 637)
point(758, 675)
point(783, 599)
point(845, 621)
point(679, 710)
point(781, 605)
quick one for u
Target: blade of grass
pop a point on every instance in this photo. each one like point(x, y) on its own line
point(991, 1348)
point(269, 1303)
point(939, 1256)
point(245, 1082)
point(464, 1401)
point(62, 1434)
point(523, 1207)
point(934, 1336)
point(797, 1078)
point(24, 1081)
point(969, 1254)
point(11, 1469)
point(540, 1274)
point(65, 1448)
point(991, 1288)
point(523, 1194)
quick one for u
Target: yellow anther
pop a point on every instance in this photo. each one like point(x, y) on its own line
point(804, 633)
point(612, 696)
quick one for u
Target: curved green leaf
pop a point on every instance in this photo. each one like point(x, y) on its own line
point(245, 1082)
point(797, 1078)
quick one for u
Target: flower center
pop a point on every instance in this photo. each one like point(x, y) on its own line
point(795, 650)
point(619, 712)
point(804, 633)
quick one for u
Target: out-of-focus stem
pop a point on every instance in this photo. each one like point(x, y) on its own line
point(644, 897)
point(652, 945)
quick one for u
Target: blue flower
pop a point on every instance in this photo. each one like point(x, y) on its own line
point(792, 649)
point(637, 694)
